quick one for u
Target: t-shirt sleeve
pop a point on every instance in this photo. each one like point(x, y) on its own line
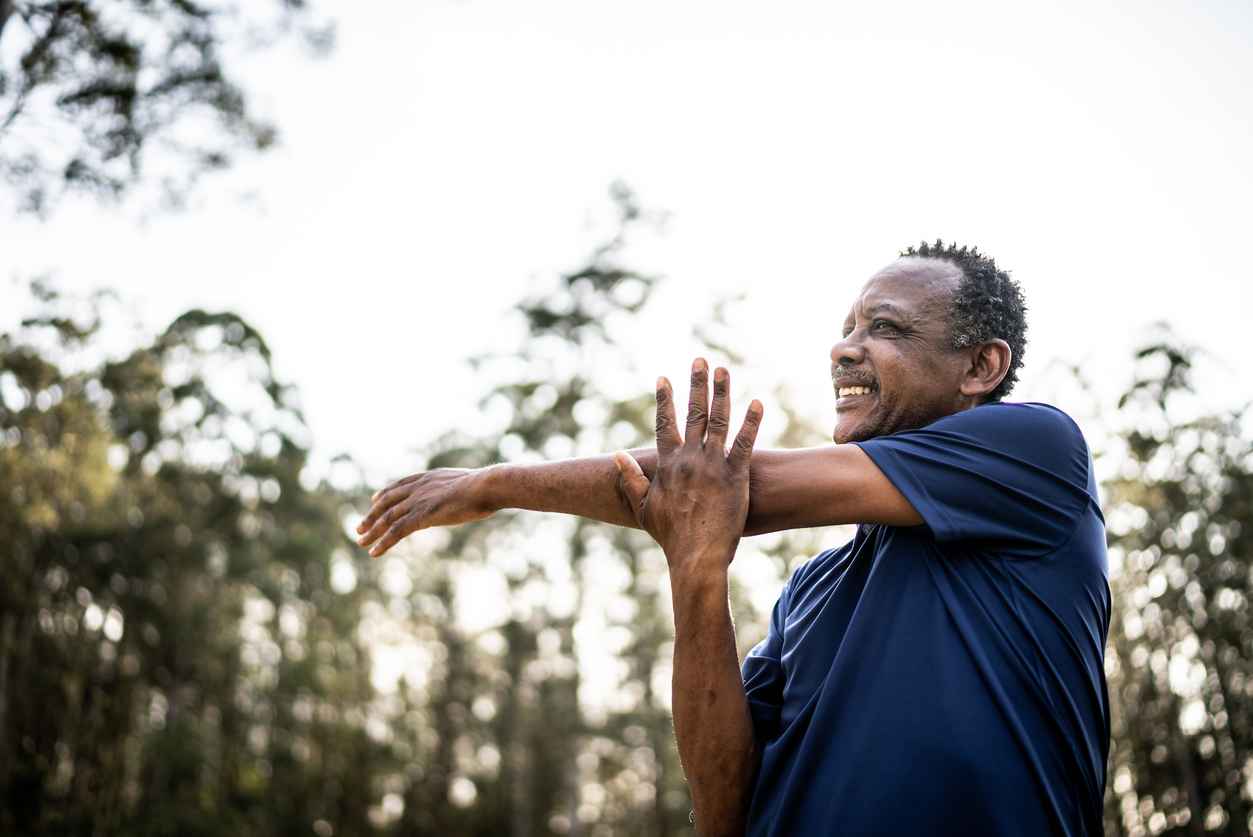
point(762, 672)
point(1015, 476)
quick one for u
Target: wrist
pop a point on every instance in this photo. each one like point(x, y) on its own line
point(697, 595)
point(491, 487)
point(696, 575)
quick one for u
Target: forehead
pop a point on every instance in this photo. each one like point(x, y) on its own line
point(909, 287)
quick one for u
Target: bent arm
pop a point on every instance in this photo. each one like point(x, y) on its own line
point(788, 489)
point(712, 724)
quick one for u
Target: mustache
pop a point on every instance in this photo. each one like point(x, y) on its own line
point(847, 378)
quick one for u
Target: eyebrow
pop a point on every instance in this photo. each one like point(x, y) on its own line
point(887, 306)
point(882, 306)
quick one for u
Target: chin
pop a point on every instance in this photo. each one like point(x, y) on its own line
point(855, 433)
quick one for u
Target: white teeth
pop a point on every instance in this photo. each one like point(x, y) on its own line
point(854, 391)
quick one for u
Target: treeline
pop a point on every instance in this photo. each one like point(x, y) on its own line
point(190, 643)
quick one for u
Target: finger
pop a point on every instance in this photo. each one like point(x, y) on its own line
point(404, 526)
point(697, 405)
point(633, 480)
point(720, 413)
point(668, 438)
point(742, 450)
point(386, 499)
point(394, 484)
point(382, 524)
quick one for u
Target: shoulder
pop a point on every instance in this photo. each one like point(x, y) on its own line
point(1014, 424)
point(1013, 413)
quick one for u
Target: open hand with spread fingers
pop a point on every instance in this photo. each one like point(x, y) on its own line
point(696, 504)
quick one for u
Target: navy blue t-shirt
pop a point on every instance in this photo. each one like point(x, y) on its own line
point(948, 678)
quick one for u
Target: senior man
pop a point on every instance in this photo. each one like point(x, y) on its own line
point(940, 674)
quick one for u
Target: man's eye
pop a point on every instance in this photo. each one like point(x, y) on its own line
point(882, 325)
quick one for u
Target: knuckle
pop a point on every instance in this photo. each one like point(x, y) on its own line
point(695, 413)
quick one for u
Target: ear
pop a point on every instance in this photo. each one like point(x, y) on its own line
point(989, 364)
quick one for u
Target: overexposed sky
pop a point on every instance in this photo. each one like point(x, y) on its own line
point(448, 156)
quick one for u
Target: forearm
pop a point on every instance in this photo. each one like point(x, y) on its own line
point(586, 487)
point(711, 718)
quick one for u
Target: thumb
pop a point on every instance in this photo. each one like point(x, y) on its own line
point(633, 479)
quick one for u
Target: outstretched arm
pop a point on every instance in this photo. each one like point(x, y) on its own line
point(788, 489)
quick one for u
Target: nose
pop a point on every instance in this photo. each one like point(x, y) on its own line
point(848, 352)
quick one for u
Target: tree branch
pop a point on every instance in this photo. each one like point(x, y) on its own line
point(7, 7)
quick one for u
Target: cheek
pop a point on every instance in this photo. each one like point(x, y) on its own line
point(907, 388)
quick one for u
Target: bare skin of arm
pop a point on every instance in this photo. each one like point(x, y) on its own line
point(788, 489)
point(694, 506)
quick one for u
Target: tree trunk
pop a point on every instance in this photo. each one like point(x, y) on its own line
point(7, 634)
point(1236, 806)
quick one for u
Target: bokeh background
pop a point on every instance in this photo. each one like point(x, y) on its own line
point(258, 259)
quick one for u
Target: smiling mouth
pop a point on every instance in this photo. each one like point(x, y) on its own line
point(847, 396)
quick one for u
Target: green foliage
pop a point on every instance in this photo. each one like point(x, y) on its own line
point(190, 644)
point(560, 702)
point(173, 659)
point(1180, 656)
point(96, 87)
point(536, 741)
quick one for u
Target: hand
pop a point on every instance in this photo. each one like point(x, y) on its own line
point(443, 497)
point(697, 502)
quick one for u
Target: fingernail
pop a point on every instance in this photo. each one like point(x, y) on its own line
point(661, 382)
point(720, 375)
point(699, 365)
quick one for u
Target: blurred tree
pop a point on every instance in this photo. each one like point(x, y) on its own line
point(89, 90)
point(552, 714)
point(511, 750)
point(188, 637)
point(177, 654)
point(1180, 656)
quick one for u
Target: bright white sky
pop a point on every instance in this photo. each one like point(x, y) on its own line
point(449, 155)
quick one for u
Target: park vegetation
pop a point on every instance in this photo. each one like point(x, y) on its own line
point(189, 639)
point(192, 644)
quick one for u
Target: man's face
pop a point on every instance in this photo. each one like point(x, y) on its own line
point(896, 354)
